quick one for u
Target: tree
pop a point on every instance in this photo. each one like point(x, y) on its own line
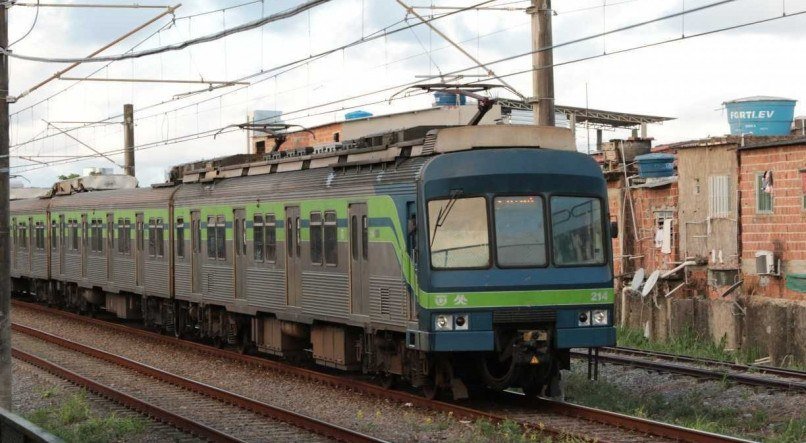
point(69, 177)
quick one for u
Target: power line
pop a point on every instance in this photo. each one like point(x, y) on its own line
point(177, 46)
point(293, 64)
point(33, 25)
point(210, 132)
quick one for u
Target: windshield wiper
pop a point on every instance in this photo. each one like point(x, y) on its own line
point(442, 216)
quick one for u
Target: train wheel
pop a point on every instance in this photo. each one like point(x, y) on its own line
point(430, 391)
point(388, 381)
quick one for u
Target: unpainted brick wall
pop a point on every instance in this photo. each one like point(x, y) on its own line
point(783, 231)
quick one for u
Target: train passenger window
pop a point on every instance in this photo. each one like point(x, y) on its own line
point(152, 237)
point(40, 236)
point(354, 237)
point(120, 236)
point(458, 233)
point(221, 237)
point(23, 236)
point(211, 243)
point(14, 233)
point(54, 229)
point(576, 225)
point(289, 235)
point(74, 235)
point(257, 236)
point(316, 238)
point(365, 236)
point(96, 235)
point(160, 238)
point(180, 237)
point(520, 233)
point(271, 238)
point(331, 239)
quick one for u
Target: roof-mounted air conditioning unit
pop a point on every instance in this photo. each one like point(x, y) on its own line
point(766, 264)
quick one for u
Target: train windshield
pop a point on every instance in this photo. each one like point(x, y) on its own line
point(458, 233)
point(519, 231)
point(576, 224)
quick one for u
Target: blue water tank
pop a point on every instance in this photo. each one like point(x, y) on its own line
point(357, 114)
point(448, 99)
point(760, 115)
point(655, 165)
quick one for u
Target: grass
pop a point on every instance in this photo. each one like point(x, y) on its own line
point(73, 421)
point(690, 409)
point(688, 343)
point(510, 432)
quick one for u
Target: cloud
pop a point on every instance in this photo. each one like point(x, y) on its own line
point(688, 80)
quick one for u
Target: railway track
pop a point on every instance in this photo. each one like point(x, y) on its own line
point(763, 376)
point(212, 413)
point(550, 417)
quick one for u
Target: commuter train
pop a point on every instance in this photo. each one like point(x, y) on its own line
point(449, 258)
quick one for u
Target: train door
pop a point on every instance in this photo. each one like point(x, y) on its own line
point(110, 247)
point(239, 246)
point(62, 243)
point(359, 255)
point(30, 245)
point(139, 250)
point(293, 261)
point(85, 245)
point(195, 255)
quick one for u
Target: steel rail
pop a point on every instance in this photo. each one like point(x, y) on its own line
point(772, 370)
point(608, 418)
point(699, 372)
point(275, 413)
point(124, 399)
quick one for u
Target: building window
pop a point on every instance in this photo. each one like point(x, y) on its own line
point(331, 239)
point(180, 237)
point(316, 238)
point(764, 192)
point(216, 237)
point(718, 196)
point(803, 188)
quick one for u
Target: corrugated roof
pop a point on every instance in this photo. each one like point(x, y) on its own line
point(759, 98)
point(775, 143)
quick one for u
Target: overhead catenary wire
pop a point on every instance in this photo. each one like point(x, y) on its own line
point(208, 133)
point(381, 33)
point(405, 85)
point(254, 24)
point(33, 25)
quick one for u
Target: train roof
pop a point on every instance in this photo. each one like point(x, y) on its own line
point(378, 148)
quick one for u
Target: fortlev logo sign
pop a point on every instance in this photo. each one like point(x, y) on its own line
point(751, 114)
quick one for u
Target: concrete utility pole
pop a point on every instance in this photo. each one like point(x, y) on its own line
point(542, 63)
point(128, 140)
point(5, 219)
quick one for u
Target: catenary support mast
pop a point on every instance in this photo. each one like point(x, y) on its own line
point(542, 63)
point(5, 219)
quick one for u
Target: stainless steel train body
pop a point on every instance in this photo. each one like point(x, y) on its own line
point(464, 255)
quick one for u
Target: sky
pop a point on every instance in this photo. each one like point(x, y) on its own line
point(687, 79)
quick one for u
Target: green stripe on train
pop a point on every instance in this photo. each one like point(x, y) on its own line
point(493, 299)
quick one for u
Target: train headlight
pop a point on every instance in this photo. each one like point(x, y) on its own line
point(584, 318)
point(462, 322)
point(599, 317)
point(444, 322)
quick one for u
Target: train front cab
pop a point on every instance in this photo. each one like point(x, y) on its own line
point(514, 264)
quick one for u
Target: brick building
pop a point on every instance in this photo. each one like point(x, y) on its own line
point(773, 217)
